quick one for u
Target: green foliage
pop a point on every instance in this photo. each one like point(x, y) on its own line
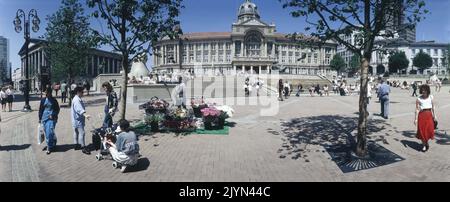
point(338, 63)
point(381, 69)
point(134, 26)
point(397, 62)
point(423, 61)
point(337, 18)
point(69, 39)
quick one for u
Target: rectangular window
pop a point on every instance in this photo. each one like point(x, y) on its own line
point(228, 56)
point(435, 52)
point(206, 57)
point(228, 46)
point(220, 46)
point(205, 46)
point(315, 58)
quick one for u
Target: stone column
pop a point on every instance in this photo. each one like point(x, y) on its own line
point(260, 70)
point(273, 50)
point(195, 53)
point(265, 49)
point(234, 70)
point(251, 69)
point(242, 49)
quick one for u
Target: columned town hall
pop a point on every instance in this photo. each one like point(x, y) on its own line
point(252, 47)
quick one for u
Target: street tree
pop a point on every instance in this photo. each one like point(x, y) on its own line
point(133, 26)
point(398, 62)
point(423, 61)
point(336, 19)
point(338, 63)
point(69, 39)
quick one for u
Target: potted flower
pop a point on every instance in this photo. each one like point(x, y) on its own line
point(225, 113)
point(153, 120)
point(179, 120)
point(155, 105)
point(197, 106)
point(210, 117)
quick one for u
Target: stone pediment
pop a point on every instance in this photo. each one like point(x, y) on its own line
point(253, 22)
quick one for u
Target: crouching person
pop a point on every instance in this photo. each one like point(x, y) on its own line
point(126, 149)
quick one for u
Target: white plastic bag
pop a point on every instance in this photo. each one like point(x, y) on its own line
point(40, 134)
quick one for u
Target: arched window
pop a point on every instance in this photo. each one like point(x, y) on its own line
point(253, 42)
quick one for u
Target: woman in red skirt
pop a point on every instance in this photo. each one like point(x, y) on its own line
point(425, 116)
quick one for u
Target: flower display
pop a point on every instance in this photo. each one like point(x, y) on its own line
point(227, 110)
point(210, 111)
point(197, 102)
point(157, 117)
point(155, 105)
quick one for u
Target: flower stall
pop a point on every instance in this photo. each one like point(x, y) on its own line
point(197, 106)
point(202, 119)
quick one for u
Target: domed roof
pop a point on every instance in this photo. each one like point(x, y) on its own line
point(248, 8)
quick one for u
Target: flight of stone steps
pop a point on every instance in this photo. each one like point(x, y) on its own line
point(233, 86)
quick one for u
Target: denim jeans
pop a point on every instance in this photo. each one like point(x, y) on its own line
point(385, 106)
point(49, 127)
point(78, 136)
point(108, 121)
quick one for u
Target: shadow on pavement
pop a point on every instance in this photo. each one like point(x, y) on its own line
point(64, 148)
point(14, 147)
point(327, 130)
point(142, 164)
point(411, 144)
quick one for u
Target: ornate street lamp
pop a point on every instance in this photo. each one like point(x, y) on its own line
point(34, 19)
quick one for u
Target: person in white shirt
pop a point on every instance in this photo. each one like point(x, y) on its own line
point(3, 98)
point(180, 93)
point(9, 97)
point(425, 117)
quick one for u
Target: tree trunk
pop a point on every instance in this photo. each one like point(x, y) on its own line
point(361, 145)
point(123, 95)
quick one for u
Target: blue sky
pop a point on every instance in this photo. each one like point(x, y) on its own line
point(215, 16)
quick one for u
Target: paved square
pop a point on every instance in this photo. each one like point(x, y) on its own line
point(286, 147)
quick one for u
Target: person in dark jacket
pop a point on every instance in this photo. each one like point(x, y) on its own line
point(48, 116)
point(111, 104)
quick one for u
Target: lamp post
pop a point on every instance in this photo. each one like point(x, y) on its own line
point(33, 17)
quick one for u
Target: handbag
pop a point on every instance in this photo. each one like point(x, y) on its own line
point(435, 124)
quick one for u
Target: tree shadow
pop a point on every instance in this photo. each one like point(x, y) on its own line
point(142, 164)
point(326, 131)
point(442, 138)
point(413, 145)
point(14, 147)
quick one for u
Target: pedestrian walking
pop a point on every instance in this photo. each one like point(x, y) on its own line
point(258, 86)
point(280, 89)
point(425, 117)
point(48, 117)
point(10, 97)
point(87, 86)
point(180, 93)
point(56, 88)
point(299, 90)
point(414, 87)
point(383, 94)
point(3, 98)
point(287, 90)
point(325, 90)
point(63, 92)
point(111, 104)
point(79, 116)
